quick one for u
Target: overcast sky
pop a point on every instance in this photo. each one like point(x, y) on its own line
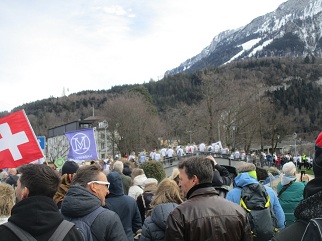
point(49, 46)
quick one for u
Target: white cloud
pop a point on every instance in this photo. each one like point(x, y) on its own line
point(92, 44)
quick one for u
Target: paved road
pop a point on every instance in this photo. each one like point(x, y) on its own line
point(168, 168)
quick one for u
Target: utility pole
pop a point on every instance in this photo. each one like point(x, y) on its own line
point(105, 136)
point(295, 151)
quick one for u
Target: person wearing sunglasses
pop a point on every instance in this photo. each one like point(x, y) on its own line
point(85, 197)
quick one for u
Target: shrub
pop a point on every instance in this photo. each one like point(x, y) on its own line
point(153, 169)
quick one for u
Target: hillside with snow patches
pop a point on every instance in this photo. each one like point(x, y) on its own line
point(293, 29)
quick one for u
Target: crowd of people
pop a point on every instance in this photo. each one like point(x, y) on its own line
point(216, 149)
point(201, 200)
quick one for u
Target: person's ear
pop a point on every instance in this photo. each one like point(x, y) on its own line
point(92, 188)
point(24, 193)
point(195, 179)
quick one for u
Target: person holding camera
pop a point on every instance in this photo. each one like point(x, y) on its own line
point(222, 178)
point(289, 191)
point(310, 207)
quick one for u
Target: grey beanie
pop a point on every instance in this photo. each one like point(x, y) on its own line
point(245, 167)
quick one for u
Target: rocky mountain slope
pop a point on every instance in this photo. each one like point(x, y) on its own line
point(293, 29)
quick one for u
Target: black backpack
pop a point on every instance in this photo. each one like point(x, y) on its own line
point(83, 224)
point(313, 231)
point(59, 234)
point(255, 200)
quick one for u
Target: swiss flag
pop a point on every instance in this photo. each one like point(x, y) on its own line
point(18, 143)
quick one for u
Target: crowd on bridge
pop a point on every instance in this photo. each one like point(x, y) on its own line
point(260, 158)
point(201, 200)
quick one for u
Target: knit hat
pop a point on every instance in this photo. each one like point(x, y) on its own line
point(69, 167)
point(150, 181)
point(317, 161)
point(12, 180)
point(245, 167)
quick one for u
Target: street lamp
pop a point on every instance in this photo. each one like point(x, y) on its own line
point(278, 138)
point(189, 136)
point(294, 137)
point(105, 125)
point(295, 151)
point(234, 137)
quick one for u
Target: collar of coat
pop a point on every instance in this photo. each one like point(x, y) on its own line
point(201, 185)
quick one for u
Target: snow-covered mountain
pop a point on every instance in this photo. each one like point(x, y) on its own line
point(293, 29)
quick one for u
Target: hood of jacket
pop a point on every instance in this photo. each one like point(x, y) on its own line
point(138, 180)
point(311, 206)
point(244, 179)
point(161, 212)
point(79, 201)
point(37, 215)
point(116, 184)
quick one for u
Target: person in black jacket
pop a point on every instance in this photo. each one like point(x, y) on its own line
point(310, 207)
point(87, 194)
point(124, 205)
point(222, 178)
point(35, 210)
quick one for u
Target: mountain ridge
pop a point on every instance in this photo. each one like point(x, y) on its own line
point(293, 29)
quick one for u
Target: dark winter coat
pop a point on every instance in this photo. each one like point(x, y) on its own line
point(206, 216)
point(221, 180)
point(125, 206)
point(126, 180)
point(154, 225)
point(143, 202)
point(39, 216)
point(310, 207)
point(79, 202)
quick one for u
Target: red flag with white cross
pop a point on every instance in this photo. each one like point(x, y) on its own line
point(18, 142)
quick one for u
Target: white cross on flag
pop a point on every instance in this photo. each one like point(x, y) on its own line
point(18, 142)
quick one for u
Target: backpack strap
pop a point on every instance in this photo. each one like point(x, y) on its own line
point(19, 232)
point(284, 188)
point(58, 235)
point(89, 218)
point(61, 231)
point(143, 201)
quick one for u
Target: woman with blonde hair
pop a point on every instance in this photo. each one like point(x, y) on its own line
point(175, 175)
point(7, 201)
point(166, 198)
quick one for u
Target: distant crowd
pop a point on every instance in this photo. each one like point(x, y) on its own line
point(201, 200)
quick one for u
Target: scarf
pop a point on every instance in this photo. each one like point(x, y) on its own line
point(287, 179)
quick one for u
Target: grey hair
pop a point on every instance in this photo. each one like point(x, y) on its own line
point(289, 169)
point(118, 166)
point(86, 174)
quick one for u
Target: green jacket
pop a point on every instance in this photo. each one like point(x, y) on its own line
point(290, 198)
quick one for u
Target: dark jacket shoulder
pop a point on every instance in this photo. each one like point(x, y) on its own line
point(293, 232)
point(6, 234)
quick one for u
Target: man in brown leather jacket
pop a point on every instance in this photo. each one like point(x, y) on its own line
point(204, 215)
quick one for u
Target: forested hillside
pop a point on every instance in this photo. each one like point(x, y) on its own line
point(254, 101)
